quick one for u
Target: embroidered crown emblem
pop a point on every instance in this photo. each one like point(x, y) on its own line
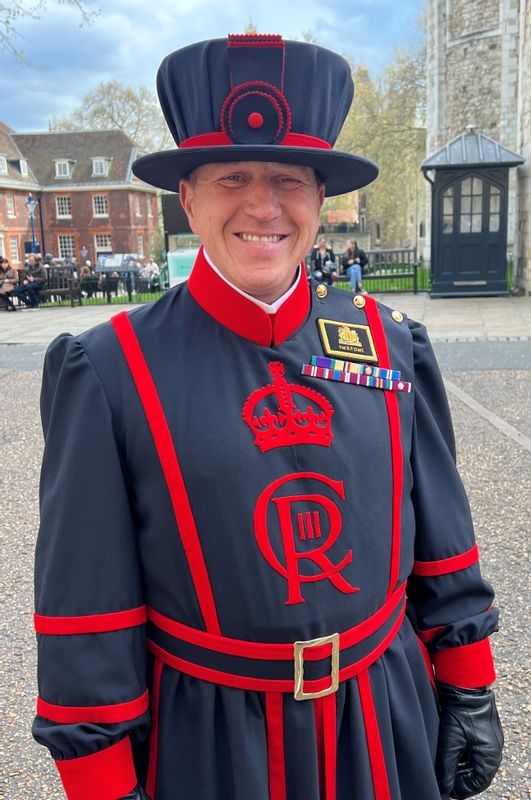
point(286, 423)
point(348, 336)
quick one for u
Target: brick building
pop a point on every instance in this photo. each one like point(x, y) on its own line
point(88, 197)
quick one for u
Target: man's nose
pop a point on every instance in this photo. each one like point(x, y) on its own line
point(262, 201)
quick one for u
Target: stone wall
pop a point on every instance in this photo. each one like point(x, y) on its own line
point(466, 17)
point(524, 172)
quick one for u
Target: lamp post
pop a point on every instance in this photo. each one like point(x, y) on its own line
point(31, 206)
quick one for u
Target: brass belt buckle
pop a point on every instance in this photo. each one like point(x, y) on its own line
point(300, 647)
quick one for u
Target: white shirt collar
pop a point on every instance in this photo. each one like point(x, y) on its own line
point(269, 308)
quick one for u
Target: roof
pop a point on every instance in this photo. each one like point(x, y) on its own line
point(42, 150)
point(9, 149)
point(472, 150)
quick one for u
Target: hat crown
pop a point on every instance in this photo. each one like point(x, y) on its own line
point(255, 88)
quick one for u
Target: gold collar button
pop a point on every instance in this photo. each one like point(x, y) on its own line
point(321, 291)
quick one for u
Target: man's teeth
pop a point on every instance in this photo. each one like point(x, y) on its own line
point(272, 238)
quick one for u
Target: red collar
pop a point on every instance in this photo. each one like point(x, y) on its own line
point(242, 316)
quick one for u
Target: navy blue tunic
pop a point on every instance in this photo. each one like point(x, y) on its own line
point(110, 546)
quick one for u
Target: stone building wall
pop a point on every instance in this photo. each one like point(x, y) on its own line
point(476, 76)
point(524, 172)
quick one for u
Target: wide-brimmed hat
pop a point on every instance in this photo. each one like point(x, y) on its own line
point(255, 97)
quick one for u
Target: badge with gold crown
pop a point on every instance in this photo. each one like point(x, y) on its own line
point(347, 340)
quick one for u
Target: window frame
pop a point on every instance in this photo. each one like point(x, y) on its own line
point(59, 163)
point(3, 165)
point(63, 197)
point(23, 167)
point(105, 167)
point(100, 214)
point(60, 251)
point(14, 256)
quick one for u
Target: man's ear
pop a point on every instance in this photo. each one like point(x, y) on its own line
point(322, 191)
point(186, 196)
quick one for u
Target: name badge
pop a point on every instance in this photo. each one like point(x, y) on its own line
point(347, 340)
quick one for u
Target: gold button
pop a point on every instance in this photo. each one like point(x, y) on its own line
point(321, 291)
point(397, 316)
point(359, 301)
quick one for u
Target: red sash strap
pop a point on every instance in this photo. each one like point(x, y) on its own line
point(275, 745)
point(151, 786)
point(391, 400)
point(374, 743)
point(170, 466)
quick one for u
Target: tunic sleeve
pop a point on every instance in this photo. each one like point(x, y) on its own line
point(450, 603)
point(90, 613)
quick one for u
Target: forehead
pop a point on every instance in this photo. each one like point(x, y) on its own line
point(254, 168)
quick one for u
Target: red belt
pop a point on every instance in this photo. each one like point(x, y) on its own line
point(261, 666)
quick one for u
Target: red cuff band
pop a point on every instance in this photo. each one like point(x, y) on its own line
point(469, 666)
point(106, 775)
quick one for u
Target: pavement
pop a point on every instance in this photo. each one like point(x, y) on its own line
point(452, 319)
point(484, 349)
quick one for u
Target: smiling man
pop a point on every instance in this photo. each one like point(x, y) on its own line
point(224, 615)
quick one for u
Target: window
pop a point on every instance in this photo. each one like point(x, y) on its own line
point(23, 168)
point(494, 209)
point(3, 164)
point(103, 243)
point(2, 246)
point(100, 166)
point(471, 205)
point(138, 211)
point(10, 202)
point(66, 245)
point(62, 169)
point(13, 249)
point(100, 205)
point(149, 205)
point(448, 211)
point(63, 207)
point(140, 244)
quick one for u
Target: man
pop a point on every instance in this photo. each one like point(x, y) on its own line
point(32, 282)
point(265, 538)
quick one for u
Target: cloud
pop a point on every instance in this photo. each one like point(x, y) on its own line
point(129, 39)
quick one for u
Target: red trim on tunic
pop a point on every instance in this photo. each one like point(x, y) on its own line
point(319, 741)
point(117, 712)
point(374, 743)
point(154, 736)
point(428, 634)
point(330, 745)
point(91, 623)
point(272, 684)
point(170, 467)
point(391, 400)
point(105, 775)
point(469, 666)
point(220, 139)
point(275, 745)
point(427, 661)
point(242, 316)
point(271, 651)
point(444, 566)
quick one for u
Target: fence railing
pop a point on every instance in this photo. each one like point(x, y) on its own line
point(396, 270)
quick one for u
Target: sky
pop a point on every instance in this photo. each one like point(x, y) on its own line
point(128, 40)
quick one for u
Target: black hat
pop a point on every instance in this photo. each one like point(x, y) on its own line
point(255, 97)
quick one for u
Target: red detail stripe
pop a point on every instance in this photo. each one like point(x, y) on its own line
point(319, 741)
point(374, 743)
point(170, 467)
point(428, 634)
point(271, 651)
point(220, 139)
point(391, 400)
point(446, 565)
point(272, 684)
point(330, 745)
point(154, 736)
point(469, 666)
point(275, 745)
point(118, 712)
point(427, 661)
point(105, 775)
point(91, 623)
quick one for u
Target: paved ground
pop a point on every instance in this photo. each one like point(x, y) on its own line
point(485, 353)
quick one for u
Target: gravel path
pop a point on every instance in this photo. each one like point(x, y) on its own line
point(497, 474)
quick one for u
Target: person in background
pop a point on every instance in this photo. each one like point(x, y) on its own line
point(33, 280)
point(354, 260)
point(8, 282)
point(323, 262)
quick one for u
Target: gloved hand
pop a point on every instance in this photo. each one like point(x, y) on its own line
point(137, 794)
point(469, 750)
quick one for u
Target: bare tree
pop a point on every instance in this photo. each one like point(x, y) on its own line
point(113, 106)
point(11, 14)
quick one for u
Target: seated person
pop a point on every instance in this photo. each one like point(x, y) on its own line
point(8, 282)
point(323, 262)
point(354, 260)
point(33, 281)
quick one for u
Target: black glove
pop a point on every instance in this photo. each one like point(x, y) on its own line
point(137, 794)
point(469, 750)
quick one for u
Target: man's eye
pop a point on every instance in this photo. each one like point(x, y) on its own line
point(232, 178)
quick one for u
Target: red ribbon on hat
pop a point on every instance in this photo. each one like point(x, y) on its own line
point(220, 139)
